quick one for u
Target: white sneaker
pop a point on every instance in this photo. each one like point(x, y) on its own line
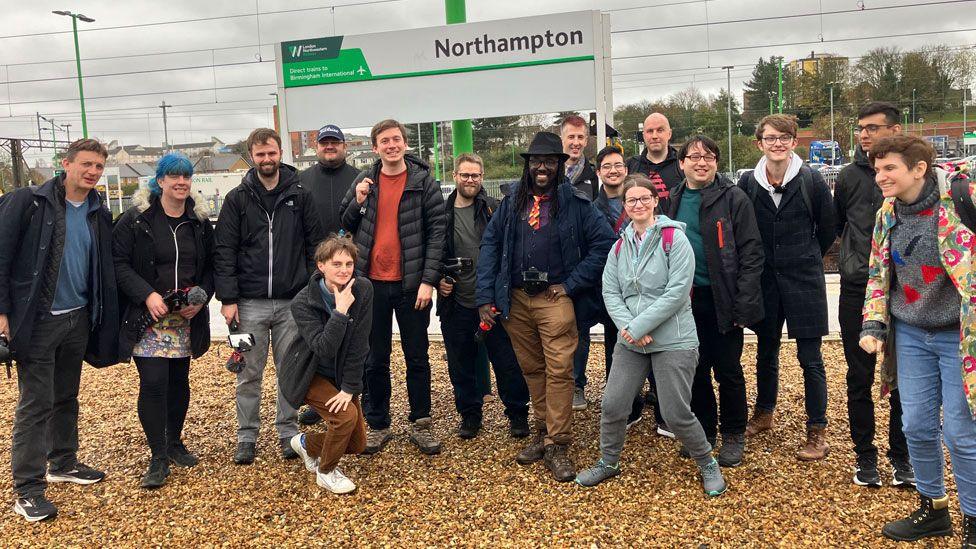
point(335, 482)
point(298, 445)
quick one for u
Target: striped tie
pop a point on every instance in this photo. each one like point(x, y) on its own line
point(534, 212)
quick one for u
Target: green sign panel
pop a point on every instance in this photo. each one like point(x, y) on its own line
point(322, 61)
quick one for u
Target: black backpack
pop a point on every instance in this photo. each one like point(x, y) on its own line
point(962, 198)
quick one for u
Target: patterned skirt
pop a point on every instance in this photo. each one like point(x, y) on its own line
point(168, 337)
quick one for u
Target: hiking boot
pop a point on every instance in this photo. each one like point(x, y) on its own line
point(518, 427)
point(534, 450)
point(376, 439)
point(287, 452)
point(245, 453)
point(733, 445)
point(931, 519)
point(597, 474)
point(309, 416)
point(179, 455)
point(712, 480)
point(866, 472)
point(903, 475)
point(683, 451)
point(79, 474)
point(968, 532)
point(35, 508)
point(815, 447)
point(469, 428)
point(422, 436)
point(761, 421)
point(579, 400)
point(558, 462)
point(156, 474)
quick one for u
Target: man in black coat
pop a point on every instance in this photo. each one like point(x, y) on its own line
point(857, 199)
point(264, 253)
point(395, 211)
point(659, 160)
point(796, 220)
point(468, 212)
point(58, 305)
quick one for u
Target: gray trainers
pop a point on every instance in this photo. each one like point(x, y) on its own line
point(422, 436)
point(579, 400)
point(730, 454)
point(712, 480)
point(597, 474)
point(376, 440)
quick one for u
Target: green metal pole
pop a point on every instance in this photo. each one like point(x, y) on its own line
point(462, 134)
point(779, 75)
point(437, 161)
point(81, 87)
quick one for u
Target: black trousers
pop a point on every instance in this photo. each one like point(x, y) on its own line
point(164, 398)
point(389, 299)
point(860, 383)
point(719, 354)
point(46, 421)
point(458, 325)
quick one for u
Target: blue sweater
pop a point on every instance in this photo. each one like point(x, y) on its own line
point(72, 289)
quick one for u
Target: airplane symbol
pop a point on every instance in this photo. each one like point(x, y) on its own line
point(361, 70)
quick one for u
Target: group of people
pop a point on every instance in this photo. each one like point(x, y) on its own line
point(671, 257)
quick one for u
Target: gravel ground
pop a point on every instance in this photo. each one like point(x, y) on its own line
point(472, 494)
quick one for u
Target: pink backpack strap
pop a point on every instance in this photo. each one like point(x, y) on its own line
point(616, 247)
point(667, 239)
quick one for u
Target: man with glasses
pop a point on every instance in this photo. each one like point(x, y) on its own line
point(857, 199)
point(468, 211)
point(796, 220)
point(541, 256)
point(721, 225)
point(659, 160)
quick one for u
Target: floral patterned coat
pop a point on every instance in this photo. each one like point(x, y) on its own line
point(957, 245)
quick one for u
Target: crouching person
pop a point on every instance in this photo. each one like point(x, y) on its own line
point(647, 290)
point(324, 367)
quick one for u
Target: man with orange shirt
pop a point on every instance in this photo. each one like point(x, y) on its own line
point(396, 212)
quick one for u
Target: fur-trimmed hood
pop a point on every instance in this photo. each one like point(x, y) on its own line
point(142, 199)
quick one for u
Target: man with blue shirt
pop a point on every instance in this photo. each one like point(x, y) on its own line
point(57, 307)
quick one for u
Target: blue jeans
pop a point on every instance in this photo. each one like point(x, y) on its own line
point(930, 378)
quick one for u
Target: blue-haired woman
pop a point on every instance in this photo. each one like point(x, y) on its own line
point(163, 246)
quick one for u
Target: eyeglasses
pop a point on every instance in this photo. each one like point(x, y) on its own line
point(608, 167)
point(871, 128)
point(644, 200)
point(784, 139)
point(697, 157)
point(548, 162)
point(469, 176)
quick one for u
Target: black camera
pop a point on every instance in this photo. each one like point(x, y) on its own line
point(6, 357)
point(175, 300)
point(535, 281)
point(240, 343)
point(455, 267)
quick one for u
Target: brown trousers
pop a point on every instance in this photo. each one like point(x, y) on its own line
point(346, 433)
point(544, 337)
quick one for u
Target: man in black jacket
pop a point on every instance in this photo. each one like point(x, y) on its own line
point(721, 226)
point(575, 133)
point(659, 160)
point(396, 212)
point(327, 181)
point(264, 254)
point(468, 211)
point(857, 199)
point(58, 305)
point(796, 220)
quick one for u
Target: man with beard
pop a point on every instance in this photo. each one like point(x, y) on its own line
point(264, 254)
point(468, 211)
point(541, 257)
point(659, 161)
point(575, 133)
point(327, 181)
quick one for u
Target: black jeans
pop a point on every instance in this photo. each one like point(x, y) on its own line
point(46, 421)
point(164, 397)
point(860, 383)
point(814, 374)
point(389, 298)
point(722, 354)
point(459, 324)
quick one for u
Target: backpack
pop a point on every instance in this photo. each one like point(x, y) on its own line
point(753, 192)
point(963, 200)
point(667, 242)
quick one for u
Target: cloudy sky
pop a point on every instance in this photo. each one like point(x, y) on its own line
point(213, 60)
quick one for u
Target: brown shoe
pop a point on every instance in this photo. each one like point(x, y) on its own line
point(816, 445)
point(534, 450)
point(559, 463)
point(761, 421)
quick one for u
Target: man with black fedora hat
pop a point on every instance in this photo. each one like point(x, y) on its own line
point(542, 254)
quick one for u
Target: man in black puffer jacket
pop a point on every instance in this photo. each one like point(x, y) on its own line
point(264, 254)
point(330, 177)
point(396, 212)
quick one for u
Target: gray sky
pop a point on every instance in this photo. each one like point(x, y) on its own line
point(231, 110)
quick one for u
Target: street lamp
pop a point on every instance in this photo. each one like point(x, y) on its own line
point(277, 111)
point(728, 75)
point(833, 154)
point(904, 113)
point(81, 89)
point(913, 106)
point(738, 127)
point(852, 122)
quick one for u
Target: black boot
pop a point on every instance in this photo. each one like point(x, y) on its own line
point(157, 472)
point(931, 519)
point(968, 532)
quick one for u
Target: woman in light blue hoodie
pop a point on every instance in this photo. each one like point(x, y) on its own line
point(647, 290)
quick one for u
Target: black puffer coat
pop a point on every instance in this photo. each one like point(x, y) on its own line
point(857, 199)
